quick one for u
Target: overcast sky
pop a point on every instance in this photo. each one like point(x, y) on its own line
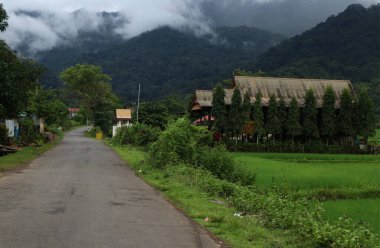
point(57, 23)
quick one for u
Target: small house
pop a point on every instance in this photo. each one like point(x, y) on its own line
point(123, 118)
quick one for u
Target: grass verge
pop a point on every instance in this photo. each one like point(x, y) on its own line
point(25, 155)
point(215, 215)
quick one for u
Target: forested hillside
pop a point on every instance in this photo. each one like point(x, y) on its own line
point(346, 46)
point(163, 61)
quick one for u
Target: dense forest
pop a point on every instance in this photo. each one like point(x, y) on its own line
point(163, 61)
point(346, 46)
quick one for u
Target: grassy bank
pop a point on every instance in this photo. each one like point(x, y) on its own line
point(215, 215)
point(25, 155)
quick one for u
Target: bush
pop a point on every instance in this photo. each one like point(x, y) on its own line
point(178, 143)
point(137, 134)
point(28, 132)
point(93, 131)
point(3, 134)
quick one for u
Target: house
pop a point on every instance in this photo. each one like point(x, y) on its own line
point(285, 88)
point(73, 112)
point(13, 128)
point(123, 117)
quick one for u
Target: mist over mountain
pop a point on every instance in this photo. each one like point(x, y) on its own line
point(163, 61)
point(42, 25)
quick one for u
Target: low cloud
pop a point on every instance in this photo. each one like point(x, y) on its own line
point(41, 25)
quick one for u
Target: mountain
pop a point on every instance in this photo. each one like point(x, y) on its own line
point(346, 46)
point(164, 61)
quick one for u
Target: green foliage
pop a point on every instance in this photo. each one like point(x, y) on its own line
point(258, 117)
point(364, 116)
point(3, 18)
point(93, 131)
point(47, 105)
point(137, 134)
point(293, 126)
point(177, 143)
point(3, 134)
point(246, 108)
point(282, 117)
point(309, 116)
point(273, 125)
point(154, 114)
point(330, 51)
point(219, 110)
point(164, 61)
point(328, 125)
point(28, 132)
point(344, 119)
point(93, 89)
point(235, 121)
point(18, 77)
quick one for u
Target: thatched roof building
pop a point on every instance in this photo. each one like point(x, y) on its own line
point(285, 88)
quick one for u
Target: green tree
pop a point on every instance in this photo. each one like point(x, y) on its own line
point(309, 116)
point(246, 107)
point(293, 121)
point(219, 111)
point(282, 117)
point(154, 114)
point(235, 115)
point(18, 77)
point(48, 107)
point(258, 117)
point(273, 125)
point(3, 18)
point(328, 114)
point(365, 116)
point(344, 119)
point(93, 89)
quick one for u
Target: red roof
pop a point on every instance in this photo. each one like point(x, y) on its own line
point(74, 110)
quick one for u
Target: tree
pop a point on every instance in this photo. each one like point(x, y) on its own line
point(258, 117)
point(154, 114)
point(309, 116)
point(273, 125)
point(365, 116)
point(293, 121)
point(328, 114)
point(17, 78)
point(219, 111)
point(93, 89)
point(282, 116)
point(246, 107)
point(235, 115)
point(344, 119)
point(3, 18)
point(47, 106)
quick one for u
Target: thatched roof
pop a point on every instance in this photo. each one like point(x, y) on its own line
point(285, 88)
point(123, 114)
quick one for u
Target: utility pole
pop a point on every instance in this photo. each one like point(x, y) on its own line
point(138, 105)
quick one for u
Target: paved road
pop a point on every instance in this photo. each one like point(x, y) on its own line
point(80, 194)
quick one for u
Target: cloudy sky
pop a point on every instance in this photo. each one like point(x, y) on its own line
point(56, 22)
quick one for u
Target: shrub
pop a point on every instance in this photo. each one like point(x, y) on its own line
point(137, 134)
point(28, 132)
point(3, 134)
point(93, 131)
point(177, 144)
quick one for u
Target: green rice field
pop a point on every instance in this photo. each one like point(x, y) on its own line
point(347, 184)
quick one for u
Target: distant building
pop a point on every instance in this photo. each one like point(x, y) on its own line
point(124, 118)
point(285, 88)
point(73, 112)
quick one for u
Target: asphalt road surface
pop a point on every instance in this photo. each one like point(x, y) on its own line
point(80, 194)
